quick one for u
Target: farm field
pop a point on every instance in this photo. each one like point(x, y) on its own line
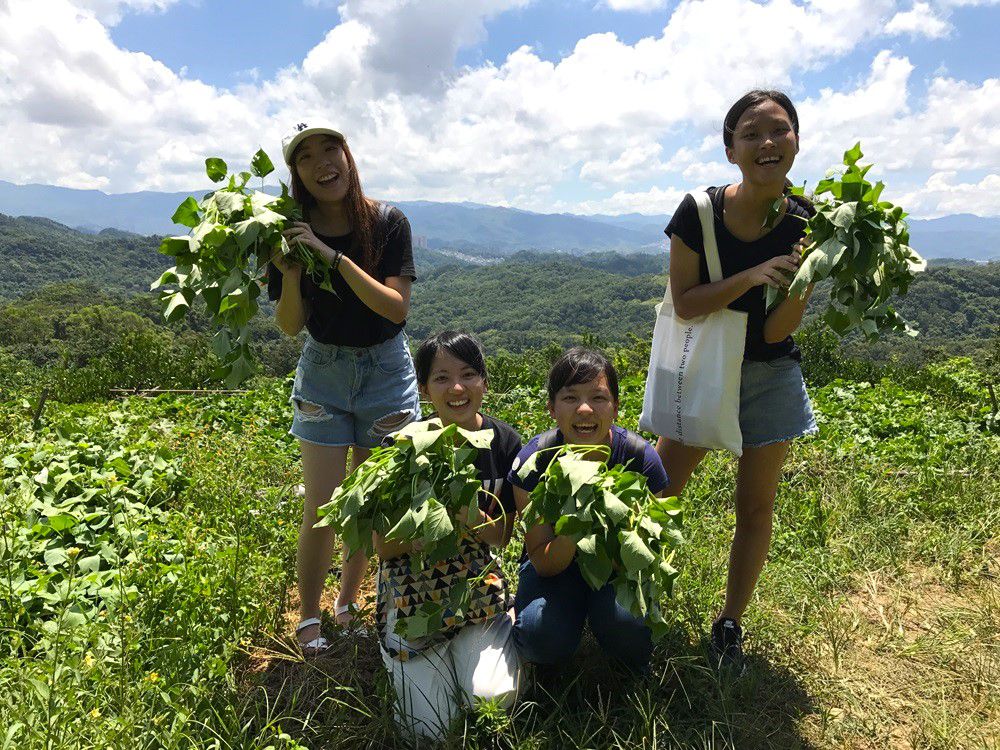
point(147, 582)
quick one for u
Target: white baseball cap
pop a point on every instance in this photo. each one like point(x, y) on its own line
point(300, 133)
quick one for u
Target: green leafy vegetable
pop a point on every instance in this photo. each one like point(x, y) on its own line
point(235, 231)
point(860, 242)
point(623, 532)
point(411, 492)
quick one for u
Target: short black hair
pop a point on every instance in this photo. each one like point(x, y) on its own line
point(581, 365)
point(462, 345)
point(753, 99)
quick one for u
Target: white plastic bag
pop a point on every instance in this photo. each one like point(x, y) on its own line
point(693, 385)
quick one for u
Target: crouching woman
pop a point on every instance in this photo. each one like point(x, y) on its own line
point(553, 600)
point(472, 658)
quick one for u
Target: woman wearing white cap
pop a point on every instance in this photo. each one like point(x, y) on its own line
point(355, 382)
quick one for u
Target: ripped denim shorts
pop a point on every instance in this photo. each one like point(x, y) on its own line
point(346, 395)
point(774, 405)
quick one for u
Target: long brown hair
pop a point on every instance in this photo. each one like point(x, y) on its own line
point(362, 211)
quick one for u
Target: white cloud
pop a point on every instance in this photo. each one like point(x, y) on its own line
point(410, 47)
point(81, 112)
point(920, 20)
point(653, 201)
point(110, 12)
point(642, 6)
point(942, 195)
point(638, 119)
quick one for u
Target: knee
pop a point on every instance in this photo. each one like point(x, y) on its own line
point(624, 637)
point(627, 641)
point(542, 636)
point(755, 512)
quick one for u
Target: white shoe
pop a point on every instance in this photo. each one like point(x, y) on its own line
point(317, 645)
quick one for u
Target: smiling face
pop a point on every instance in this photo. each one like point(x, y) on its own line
point(321, 164)
point(764, 144)
point(585, 412)
point(456, 389)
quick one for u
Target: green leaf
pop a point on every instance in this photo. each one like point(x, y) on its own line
point(238, 371)
point(438, 524)
point(405, 529)
point(579, 471)
point(216, 169)
point(167, 277)
point(176, 308)
point(636, 555)
point(261, 164)
point(187, 213)
point(593, 562)
point(89, 564)
point(55, 557)
point(176, 246)
point(246, 232)
point(481, 439)
point(221, 343)
point(852, 155)
point(230, 205)
point(616, 510)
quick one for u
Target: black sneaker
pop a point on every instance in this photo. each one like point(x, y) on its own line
point(727, 647)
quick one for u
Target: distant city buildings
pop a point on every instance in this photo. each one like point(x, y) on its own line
point(420, 240)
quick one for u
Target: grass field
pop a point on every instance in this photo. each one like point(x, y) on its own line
point(147, 584)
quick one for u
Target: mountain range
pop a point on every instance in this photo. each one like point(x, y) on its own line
point(470, 227)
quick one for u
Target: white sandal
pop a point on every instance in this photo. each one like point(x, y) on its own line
point(316, 645)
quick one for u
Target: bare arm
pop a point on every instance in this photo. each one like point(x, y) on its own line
point(391, 300)
point(496, 532)
point(782, 321)
point(691, 298)
point(291, 312)
point(550, 553)
point(388, 550)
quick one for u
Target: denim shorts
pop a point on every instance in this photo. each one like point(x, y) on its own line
point(774, 405)
point(346, 395)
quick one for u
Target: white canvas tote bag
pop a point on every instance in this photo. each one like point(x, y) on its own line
point(693, 385)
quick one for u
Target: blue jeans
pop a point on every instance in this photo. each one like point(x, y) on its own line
point(345, 395)
point(551, 612)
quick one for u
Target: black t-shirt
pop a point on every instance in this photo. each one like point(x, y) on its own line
point(348, 321)
point(735, 256)
point(495, 464)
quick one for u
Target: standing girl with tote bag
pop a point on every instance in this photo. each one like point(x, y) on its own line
point(355, 382)
point(761, 136)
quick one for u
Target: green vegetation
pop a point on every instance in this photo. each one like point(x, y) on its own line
point(147, 580)
point(235, 232)
point(411, 492)
point(860, 243)
point(623, 532)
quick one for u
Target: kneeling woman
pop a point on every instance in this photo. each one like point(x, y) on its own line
point(553, 599)
point(475, 658)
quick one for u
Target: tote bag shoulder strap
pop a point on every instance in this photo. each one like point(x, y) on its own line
point(704, 203)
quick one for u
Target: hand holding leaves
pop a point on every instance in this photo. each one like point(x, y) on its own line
point(623, 533)
point(235, 232)
point(412, 491)
point(861, 243)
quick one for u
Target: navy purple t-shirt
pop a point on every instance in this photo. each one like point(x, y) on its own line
point(651, 467)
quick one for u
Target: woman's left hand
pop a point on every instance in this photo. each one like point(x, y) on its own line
point(300, 231)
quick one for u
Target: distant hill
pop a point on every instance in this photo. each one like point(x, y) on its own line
point(38, 251)
point(471, 228)
point(518, 302)
point(454, 225)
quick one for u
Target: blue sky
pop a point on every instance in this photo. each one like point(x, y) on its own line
point(609, 109)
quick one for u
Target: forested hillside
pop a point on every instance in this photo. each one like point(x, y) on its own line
point(524, 301)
